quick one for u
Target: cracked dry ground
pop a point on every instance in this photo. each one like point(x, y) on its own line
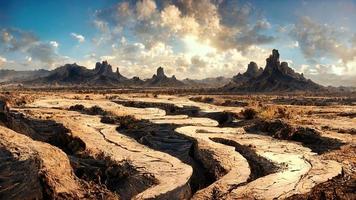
point(139, 147)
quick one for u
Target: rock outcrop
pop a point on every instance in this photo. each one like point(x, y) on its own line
point(161, 80)
point(276, 77)
point(252, 72)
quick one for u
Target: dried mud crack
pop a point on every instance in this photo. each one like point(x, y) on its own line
point(259, 165)
point(139, 178)
point(98, 170)
point(27, 172)
point(224, 118)
point(168, 147)
point(162, 137)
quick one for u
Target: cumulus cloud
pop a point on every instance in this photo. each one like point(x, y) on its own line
point(15, 39)
point(2, 61)
point(207, 19)
point(43, 52)
point(145, 9)
point(330, 74)
point(190, 38)
point(40, 53)
point(78, 37)
point(54, 44)
point(293, 45)
point(135, 57)
point(321, 40)
point(28, 58)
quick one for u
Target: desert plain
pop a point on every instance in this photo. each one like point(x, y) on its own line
point(112, 144)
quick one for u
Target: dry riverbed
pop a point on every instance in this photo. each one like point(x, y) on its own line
point(143, 146)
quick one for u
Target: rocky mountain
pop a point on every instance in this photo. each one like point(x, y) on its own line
point(104, 75)
point(161, 80)
point(252, 72)
point(7, 75)
point(73, 74)
point(275, 77)
point(101, 75)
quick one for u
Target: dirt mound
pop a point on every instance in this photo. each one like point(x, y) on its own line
point(340, 187)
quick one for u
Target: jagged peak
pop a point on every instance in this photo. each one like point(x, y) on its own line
point(274, 56)
point(74, 64)
point(136, 78)
point(160, 72)
point(272, 62)
point(252, 69)
point(68, 66)
point(103, 67)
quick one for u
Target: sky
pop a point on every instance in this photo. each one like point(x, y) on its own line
point(189, 38)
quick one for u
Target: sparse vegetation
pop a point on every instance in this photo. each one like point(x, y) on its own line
point(94, 110)
point(249, 113)
point(202, 99)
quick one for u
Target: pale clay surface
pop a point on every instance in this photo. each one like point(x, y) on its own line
point(301, 169)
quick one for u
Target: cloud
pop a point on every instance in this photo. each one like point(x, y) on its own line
point(133, 57)
point(16, 40)
point(353, 40)
point(293, 45)
point(40, 54)
point(189, 38)
point(171, 18)
point(54, 44)
point(107, 58)
point(3, 60)
point(43, 52)
point(145, 9)
point(331, 74)
point(321, 40)
point(28, 58)
point(78, 37)
point(207, 20)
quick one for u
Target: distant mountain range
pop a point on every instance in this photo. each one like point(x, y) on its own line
point(73, 74)
point(7, 75)
point(275, 77)
point(101, 75)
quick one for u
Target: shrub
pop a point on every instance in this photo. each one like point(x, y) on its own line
point(77, 107)
point(96, 110)
point(127, 121)
point(249, 113)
